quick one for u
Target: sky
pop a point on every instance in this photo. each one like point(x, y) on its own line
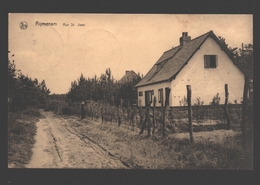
point(90, 43)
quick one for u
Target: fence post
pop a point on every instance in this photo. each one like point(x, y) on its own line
point(154, 103)
point(82, 110)
point(145, 119)
point(148, 121)
point(227, 115)
point(102, 112)
point(166, 106)
point(91, 110)
point(121, 102)
point(246, 88)
point(119, 115)
point(189, 112)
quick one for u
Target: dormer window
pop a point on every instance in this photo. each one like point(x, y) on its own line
point(210, 61)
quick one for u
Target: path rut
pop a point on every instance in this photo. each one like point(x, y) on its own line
point(59, 146)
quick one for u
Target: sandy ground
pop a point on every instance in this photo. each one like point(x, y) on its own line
point(59, 146)
point(68, 142)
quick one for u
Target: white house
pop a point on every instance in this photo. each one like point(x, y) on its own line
point(203, 62)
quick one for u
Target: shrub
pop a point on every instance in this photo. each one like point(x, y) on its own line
point(53, 106)
point(21, 131)
point(66, 110)
point(198, 112)
point(32, 112)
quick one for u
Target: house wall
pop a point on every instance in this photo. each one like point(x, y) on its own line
point(207, 82)
point(155, 87)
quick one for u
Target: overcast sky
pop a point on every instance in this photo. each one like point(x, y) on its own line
point(59, 54)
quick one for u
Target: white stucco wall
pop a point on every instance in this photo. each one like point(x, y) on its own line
point(207, 82)
point(154, 87)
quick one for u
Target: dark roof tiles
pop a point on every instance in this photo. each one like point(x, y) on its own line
point(129, 77)
point(174, 59)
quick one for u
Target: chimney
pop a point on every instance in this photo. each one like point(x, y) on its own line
point(184, 39)
point(127, 72)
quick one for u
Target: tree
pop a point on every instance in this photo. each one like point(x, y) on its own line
point(243, 55)
point(24, 92)
point(104, 88)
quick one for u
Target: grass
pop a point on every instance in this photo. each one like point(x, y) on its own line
point(168, 153)
point(21, 132)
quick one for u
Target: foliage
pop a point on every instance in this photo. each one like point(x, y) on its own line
point(31, 112)
point(105, 89)
point(212, 150)
point(23, 91)
point(198, 113)
point(66, 110)
point(184, 102)
point(244, 55)
point(215, 100)
point(21, 131)
point(56, 101)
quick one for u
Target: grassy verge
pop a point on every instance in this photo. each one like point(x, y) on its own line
point(21, 131)
point(166, 153)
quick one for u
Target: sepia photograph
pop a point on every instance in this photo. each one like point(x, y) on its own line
point(130, 91)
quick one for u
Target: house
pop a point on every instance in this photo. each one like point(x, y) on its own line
point(203, 62)
point(129, 76)
point(127, 92)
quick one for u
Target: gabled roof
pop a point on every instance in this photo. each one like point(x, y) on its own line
point(129, 77)
point(173, 60)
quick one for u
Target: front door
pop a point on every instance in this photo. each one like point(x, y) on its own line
point(148, 97)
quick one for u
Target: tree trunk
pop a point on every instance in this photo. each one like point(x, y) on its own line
point(189, 112)
point(227, 115)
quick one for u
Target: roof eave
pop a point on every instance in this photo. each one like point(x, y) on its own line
point(152, 83)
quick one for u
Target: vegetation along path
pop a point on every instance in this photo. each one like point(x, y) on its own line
point(69, 142)
point(60, 146)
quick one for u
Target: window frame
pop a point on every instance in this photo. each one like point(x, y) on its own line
point(151, 96)
point(209, 62)
point(160, 95)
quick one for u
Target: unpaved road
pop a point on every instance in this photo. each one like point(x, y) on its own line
point(60, 146)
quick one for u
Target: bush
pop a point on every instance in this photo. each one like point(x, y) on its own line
point(67, 110)
point(21, 131)
point(53, 106)
point(32, 112)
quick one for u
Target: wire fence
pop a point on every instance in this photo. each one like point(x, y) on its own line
point(204, 117)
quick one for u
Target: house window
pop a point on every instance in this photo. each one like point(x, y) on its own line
point(140, 93)
point(160, 95)
point(210, 61)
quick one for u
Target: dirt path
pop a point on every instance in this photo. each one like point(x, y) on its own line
point(60, 146)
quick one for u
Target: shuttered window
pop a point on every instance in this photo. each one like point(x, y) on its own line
point(160, 95)
point(210, 61)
